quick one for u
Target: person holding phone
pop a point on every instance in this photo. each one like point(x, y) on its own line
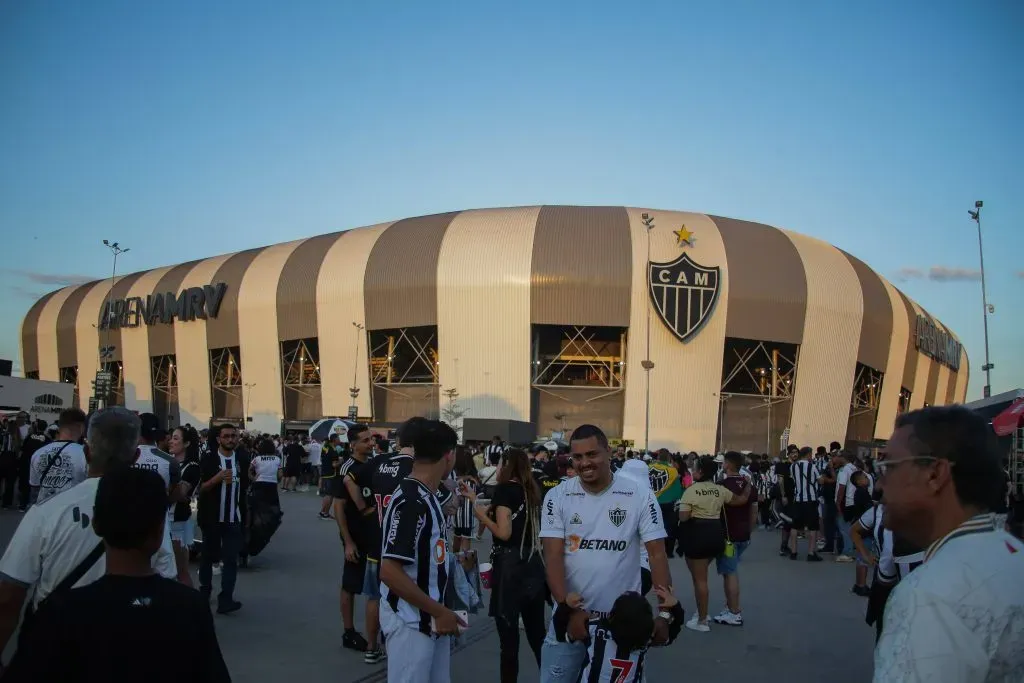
point(414, 565)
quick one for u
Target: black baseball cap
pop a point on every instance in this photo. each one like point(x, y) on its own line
point(151, 430)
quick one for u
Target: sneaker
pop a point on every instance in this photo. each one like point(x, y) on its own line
point(374, 656)
point(862, 591)
point(353, 640)
point(792, 556)
point(323, 515)
point(844, 559)
point(729, 619)
point(783, 551)
point(229, 607)
point(695, 624)
point(814, 557)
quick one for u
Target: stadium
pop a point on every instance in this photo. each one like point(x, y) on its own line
point(521, 322)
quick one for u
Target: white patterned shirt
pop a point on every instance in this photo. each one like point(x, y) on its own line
point(959, 618)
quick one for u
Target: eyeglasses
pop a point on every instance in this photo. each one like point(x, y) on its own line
point(883, 465)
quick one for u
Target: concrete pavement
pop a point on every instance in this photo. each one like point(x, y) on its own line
point(800, 619)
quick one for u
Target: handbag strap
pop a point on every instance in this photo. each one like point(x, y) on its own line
point(78, 572)
point(725, 518)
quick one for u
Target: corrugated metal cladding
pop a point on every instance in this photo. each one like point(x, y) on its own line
point(400, 286)
point(195, 396)
point(496, 272)
point(222, 331)
point(910, 363)
point(582, 266)
point(826, 365)
point(339, 303)
point(161, 337)
point(933, 368)
point(888, 404)
point(483, 311)
point(876, 329)
point(48, 368)
point(767, 284)
point(30, 335)
point(67, 340)
point(296, 288)
point(963, 376)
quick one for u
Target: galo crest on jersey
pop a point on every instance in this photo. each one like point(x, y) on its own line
point(617, 516)
point(684, 294)
point(576, 519)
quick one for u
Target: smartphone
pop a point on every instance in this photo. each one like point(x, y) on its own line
point(461, 614)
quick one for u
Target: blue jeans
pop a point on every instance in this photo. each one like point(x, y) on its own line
point(561, 662)
point(730, 565)
point(844, 529)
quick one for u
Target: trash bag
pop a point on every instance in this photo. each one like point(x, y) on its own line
point(264, 519)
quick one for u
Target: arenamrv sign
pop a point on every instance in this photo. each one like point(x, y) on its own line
point(936, 343)
point(193, 303)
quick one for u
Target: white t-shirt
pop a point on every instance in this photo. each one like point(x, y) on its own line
point(68, 469)
point(843, 479)
point(155, 460)
point(603, 536)
point(54, 537)
point(266, 467)
point(314, 449)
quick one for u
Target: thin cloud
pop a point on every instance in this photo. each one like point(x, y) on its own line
point(909, 273)
point(941, 274)
point(51, 278)
point(947, 274)
point(1020, 274)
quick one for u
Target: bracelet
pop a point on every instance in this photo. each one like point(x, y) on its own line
point(667, 616)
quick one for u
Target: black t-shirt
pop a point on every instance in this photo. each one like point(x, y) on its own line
point(190, 474)
point(385, 473)
point(107, 631)
point(359, 525)
point(293, 454)
point(861, 503)
point(783, 469)
point(328, 460)
point(510, 495)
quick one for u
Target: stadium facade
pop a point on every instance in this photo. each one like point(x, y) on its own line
point(524, 321)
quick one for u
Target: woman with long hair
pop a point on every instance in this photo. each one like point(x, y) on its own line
point(518, 587)
point(702, 533)
point(465, 473)
point(184, 447)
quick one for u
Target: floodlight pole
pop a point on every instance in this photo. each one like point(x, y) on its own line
point(646, 364)
point(987, 367)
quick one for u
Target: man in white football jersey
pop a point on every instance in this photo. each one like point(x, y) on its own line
point(155, 460)
point(60, 464)
point(593, 527)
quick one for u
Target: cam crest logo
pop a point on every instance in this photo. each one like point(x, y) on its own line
point(617, 516)
point(684, 294)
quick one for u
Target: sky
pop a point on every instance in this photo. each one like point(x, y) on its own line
point(187, 129)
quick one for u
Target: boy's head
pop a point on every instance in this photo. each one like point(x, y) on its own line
point(631, 621)
point(130, 510)
point(859, 479)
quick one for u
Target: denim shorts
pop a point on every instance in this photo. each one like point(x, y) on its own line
point(730, 565)
point(184, 532)
point(371, 581)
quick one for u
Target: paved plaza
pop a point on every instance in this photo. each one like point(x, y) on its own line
point(800, 619)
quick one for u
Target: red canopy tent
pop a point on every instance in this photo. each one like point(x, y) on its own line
point(1007, 422)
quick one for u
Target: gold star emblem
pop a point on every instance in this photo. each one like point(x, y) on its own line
point(685, 237)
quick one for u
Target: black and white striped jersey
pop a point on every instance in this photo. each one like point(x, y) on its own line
point(414, 531)
point(608, 663)
point(464, 512)
point(492, 449)
point(805, 481)
point(228, 508)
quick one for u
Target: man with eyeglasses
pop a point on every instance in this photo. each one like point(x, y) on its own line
point(959, 617)
point(220, 517)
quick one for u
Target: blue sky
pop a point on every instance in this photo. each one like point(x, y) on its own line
point(191, 128)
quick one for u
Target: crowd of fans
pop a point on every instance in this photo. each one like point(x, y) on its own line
point(580, 528)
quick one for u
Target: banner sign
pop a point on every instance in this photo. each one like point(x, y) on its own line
point(194, 303)
point(937, 343)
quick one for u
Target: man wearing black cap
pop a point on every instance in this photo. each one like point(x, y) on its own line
point(155, 460)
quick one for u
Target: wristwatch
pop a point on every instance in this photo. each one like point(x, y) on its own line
point(667, 616)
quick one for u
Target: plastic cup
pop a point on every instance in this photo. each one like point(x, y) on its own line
point(485, 574)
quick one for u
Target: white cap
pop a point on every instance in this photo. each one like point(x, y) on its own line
point(635, 471)
point(550, 446)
